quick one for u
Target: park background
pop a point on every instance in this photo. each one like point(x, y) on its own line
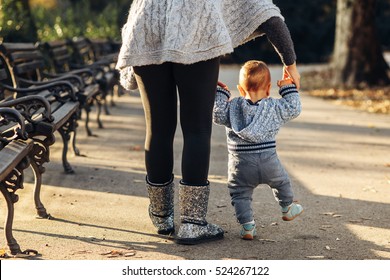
point(348, 37)
point(311, 23)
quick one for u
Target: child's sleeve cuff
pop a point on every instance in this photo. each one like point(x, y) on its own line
point(288, 89)
point(223, 91)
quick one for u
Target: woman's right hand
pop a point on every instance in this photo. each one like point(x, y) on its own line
point(292, 72)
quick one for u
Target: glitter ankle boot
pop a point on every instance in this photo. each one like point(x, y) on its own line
point(193, 209)
point(161, 206)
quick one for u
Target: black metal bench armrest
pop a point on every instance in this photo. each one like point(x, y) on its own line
point(54, 87)
point(75, 80)
point(7, 116)
point(27, 106)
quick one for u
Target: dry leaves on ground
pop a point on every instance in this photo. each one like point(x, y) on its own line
point(370, 100)
point(119, 253)
point(373, 100)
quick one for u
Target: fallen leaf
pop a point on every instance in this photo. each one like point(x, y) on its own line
point(267, 240)
point(109, 253)
point(130, 254)
point(3, 253)
point(328, 213)
point(116, 253)
point(333, 214)
point(326, 226)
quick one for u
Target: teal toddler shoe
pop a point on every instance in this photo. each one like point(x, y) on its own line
point(291, 212)
point(248, 231)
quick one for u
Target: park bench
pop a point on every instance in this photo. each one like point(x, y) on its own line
point(60, 94)
point(46, 108)
point(104, 50)
point(15, 148)
point(108, 50)
point(29, 69)
point(84, 55)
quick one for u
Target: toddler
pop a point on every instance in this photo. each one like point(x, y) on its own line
point(252, 122)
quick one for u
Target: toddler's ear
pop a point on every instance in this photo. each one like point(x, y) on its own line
point(268, 89)
point(241, 90)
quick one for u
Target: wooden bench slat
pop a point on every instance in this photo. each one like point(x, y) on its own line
point(26, 67)
point(62, 115)
point(12, 154)
point(10, 47)
point(26, 55)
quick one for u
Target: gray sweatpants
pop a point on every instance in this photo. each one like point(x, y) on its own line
point(247, 171)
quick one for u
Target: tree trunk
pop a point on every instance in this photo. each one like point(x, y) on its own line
point(357, 57)
point(31, 28)
point(22, 27)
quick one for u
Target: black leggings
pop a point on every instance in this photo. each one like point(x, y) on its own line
point(196, 85)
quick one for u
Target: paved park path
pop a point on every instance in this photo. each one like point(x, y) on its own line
point(337, 157)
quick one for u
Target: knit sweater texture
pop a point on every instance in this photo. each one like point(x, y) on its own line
point(186, 32)
point(252, 128)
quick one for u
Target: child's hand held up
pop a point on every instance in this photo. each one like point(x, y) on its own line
point(284, 82)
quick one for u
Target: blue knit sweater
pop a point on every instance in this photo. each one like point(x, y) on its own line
point(252, 127)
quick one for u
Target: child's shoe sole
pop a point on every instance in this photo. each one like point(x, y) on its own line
point(247, 237)
point(248, 233)
point(292, 211)
point(287, 219)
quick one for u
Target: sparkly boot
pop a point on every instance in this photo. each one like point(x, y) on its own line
point(161, 206)
point(193, 209)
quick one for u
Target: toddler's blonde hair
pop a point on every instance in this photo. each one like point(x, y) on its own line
point(254, 75)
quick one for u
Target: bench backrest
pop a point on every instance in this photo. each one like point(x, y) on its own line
point(82, 51)
point(5, 76)
point(11, 126)
point(101, 47)
point(59, 55)
point(26, 60)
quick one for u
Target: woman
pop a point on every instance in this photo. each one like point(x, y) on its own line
point(174, 46)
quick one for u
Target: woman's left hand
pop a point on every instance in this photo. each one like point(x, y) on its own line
point(292, 72)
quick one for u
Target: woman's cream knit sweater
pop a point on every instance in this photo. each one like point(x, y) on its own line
point(188, 31)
